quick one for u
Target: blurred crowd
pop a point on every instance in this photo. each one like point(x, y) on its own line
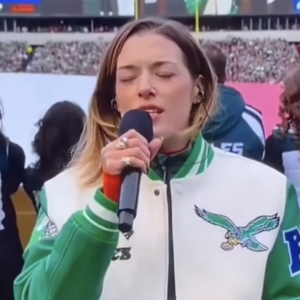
point(12, 56)
point(256, 60)
point(264, 61)
point(80, 58)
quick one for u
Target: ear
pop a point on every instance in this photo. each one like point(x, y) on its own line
point(195, 92)
point(198, 90)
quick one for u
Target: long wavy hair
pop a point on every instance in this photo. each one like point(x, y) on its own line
point(58, 132)
point(289, 110)
point(103, 120)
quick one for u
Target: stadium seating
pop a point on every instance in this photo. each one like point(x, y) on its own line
point(249, 60)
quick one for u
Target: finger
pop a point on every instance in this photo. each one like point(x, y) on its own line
point(116, 166)
point(136, 142)
point(154, 146)
point(129, 152)
point(136, 163)
point(133, 134)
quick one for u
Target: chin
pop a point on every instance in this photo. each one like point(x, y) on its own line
point(159, 132)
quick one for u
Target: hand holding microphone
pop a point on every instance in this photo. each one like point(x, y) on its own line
point(130, 147)
point(129, 156)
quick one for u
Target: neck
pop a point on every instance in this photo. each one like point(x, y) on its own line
point(173, 146)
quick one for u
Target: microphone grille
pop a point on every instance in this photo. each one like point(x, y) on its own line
point(138, 120)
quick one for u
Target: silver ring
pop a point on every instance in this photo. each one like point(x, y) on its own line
point(126, 162)
point(123, 143)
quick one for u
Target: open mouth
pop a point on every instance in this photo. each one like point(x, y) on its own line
point(154, 112)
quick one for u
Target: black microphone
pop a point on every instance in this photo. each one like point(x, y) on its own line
point(140, 121)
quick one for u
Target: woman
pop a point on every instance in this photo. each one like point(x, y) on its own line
point(12, 161)
point(58, 132)
point(191, 202)
point(282, 146)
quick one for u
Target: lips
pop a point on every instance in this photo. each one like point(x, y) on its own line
point(152, 110)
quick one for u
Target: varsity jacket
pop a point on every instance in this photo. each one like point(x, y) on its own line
point(220, 227)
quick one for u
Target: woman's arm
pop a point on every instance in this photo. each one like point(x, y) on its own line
point(70, 264)
point(32, 183)
point(14, 175)
point(282, 278)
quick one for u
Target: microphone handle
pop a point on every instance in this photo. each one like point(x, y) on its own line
point(129, 198)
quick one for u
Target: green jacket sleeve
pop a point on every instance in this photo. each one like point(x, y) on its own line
point(282, 278)
point(72, 263)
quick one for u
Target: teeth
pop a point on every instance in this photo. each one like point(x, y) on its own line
point(152, 111)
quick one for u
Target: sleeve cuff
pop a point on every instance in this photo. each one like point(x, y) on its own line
point(100, 218)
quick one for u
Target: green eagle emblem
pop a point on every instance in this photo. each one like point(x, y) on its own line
point(243, 236)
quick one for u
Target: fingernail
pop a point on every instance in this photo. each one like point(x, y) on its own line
point(162, 138)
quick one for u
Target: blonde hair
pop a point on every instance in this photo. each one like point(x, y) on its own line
point(103, 120)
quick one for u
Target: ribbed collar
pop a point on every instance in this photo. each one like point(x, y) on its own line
point(194, 160)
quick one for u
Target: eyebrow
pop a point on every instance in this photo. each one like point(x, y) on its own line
point(155, 64)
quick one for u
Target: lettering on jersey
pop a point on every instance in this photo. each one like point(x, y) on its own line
point(128, 234)
point(237, 148)
point(122, 254)
point(291, 238)
point(244, 236)
point(50, 231)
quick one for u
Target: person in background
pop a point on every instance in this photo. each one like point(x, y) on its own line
point(162, 8)
point(12, 162)
point(237, 127)
point(212, 7)
point(111, 8)
point(58, 132)
point(252, 7)
point(283, 145)
point(282, 7)
point(205, 219)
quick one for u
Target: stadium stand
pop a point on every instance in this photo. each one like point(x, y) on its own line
point(249, 60)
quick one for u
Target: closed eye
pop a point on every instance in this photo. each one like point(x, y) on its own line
point(164, 75)
point(127, 79)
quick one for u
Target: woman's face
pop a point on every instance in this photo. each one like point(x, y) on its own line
point(152, 75)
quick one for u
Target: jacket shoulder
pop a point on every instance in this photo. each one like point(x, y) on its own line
point(249, 170)
point(256, 184)
point(67, 177)
point(64, 196)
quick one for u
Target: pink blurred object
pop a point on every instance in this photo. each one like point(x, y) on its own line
point(263, 96)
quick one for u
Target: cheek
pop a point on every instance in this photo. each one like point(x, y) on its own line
point(125, 96)
point(181, 96)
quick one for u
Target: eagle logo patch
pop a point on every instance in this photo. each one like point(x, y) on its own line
point(244, 236)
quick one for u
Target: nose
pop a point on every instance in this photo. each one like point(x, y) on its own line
point(146, 93)
point(145, 89)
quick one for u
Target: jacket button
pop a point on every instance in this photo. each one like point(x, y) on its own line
point(156, 192)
